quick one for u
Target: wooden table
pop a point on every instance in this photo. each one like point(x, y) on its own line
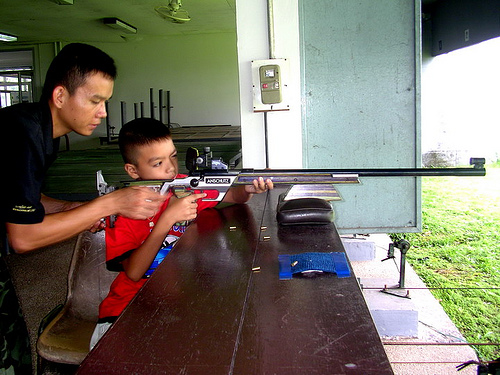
point(206, 311)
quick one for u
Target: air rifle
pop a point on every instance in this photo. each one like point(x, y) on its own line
point(212, 176)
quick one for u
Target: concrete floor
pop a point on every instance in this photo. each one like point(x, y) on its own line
point(438, 346)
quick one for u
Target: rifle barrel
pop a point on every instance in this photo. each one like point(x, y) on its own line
point(314, 176)
point(421, 172)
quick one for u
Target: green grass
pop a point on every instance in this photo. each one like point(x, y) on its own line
point(459, 247)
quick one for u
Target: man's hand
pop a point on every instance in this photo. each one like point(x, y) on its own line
point(136, 202)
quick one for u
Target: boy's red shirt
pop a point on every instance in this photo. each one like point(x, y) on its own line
point(121, 240)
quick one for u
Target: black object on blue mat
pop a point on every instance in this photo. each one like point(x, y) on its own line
point(335, 262)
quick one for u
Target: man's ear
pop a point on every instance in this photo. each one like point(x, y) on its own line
point(131, 170)
point(59, 95)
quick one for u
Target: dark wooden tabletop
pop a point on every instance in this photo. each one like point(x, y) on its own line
point(216, 306)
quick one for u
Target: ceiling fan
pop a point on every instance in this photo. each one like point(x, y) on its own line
point(173, 12)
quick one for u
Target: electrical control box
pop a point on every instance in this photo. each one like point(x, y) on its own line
point(269, 85)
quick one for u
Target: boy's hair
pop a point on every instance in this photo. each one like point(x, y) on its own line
point(73, 64)
point(140, 132)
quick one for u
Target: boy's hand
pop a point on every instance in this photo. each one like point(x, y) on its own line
point(98, 226)
point(242, 193)
point(182, 209)
point(259, 186)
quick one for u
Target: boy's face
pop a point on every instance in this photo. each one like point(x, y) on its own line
point(155, 161)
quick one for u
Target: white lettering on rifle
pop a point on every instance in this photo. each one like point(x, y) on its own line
point(217, 180)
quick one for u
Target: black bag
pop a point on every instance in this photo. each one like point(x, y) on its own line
point(304, 211)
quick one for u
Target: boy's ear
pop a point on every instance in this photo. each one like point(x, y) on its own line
point(131, 170)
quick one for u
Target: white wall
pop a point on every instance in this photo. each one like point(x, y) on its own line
point(284, 128)
point(251, 26)
point(200, 71)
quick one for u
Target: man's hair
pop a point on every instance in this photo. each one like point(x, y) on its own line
point(73, 64)
point(140, 132)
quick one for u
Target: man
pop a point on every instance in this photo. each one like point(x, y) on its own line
point(79, 81)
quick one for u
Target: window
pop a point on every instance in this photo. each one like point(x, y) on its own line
point(16, 77)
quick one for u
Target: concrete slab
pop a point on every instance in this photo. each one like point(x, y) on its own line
point(393, 315)
point(359, 249)
point(428, 360)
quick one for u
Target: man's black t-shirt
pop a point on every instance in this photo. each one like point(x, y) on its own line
point(27, 150)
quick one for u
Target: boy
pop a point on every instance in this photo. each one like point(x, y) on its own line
point(136, 247)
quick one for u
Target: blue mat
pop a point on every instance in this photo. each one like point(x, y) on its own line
point(335, 262)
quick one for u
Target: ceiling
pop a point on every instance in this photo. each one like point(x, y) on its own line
point(36, 21)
